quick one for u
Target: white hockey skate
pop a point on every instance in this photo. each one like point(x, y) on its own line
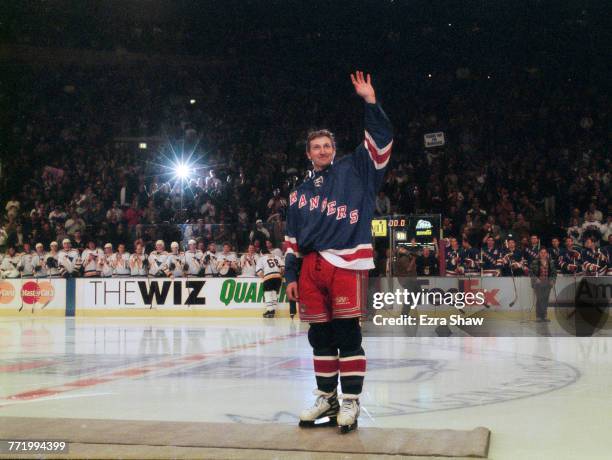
point(349, 412)
point(325, 406)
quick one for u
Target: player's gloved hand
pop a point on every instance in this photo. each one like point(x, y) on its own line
point(292, 291)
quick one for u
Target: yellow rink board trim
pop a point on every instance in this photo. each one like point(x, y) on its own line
point(27, 311)
point(166, 312)
point(253, 313)
point(266, 437)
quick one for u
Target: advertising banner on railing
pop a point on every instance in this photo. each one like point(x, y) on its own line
point(496, 293)
point(172, 294)
point(32, 295)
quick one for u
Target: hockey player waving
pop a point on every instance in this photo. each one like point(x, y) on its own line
point(328, 227)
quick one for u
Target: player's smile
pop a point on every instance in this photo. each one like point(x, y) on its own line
point(321, 152)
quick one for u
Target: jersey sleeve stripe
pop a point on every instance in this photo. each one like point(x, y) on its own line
point(340, 252)
point(380, 156)
point(360, 254)
point(291, 251)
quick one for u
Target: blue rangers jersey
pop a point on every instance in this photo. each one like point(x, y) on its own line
point(331, 211)
point(531, 253)
point(453, 261)
point(570, 261)
point(470, 259)
point(594, 262)
point(513, 263)
point(556, 253)
point(491, 259)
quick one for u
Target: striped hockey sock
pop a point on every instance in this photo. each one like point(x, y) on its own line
point(326, 370)
point(352, 366)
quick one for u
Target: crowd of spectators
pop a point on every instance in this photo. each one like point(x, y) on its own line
point(526, 147)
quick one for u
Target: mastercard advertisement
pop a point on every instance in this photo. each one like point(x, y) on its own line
point(40, 295)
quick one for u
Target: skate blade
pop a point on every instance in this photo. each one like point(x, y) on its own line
point(318, 423)
point(348, 428)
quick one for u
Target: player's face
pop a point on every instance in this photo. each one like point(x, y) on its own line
point(321, 152)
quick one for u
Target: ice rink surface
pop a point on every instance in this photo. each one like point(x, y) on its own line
point(542, 397)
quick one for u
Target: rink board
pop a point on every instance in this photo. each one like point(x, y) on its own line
point(228, 297)
point(236, 297)
point(41, 297)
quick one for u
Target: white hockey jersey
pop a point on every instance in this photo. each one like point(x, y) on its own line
point(69, 261)
point(105, 265)
point(158, 263)
point(194, 260)
point(90, 259)
point(137, 265)
point(39, 264)
point(52, 263)
point(8, 267)
point(269, 266)
point(210, 267)
point(248, 264)
point(176, 260)
point(121, 264)
point(225, 262)
point(26, 264)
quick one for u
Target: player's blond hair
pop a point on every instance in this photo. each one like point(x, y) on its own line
point(320, 133)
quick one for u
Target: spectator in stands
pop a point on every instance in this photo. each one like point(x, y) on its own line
point(593, 214)
point(74, 224)
point(259, 234)
point(383, 204)
point(427, 263)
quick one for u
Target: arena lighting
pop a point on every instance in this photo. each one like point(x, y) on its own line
point(192, 101)
point(178, 167)
point(142, 145)
point(182, 171)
